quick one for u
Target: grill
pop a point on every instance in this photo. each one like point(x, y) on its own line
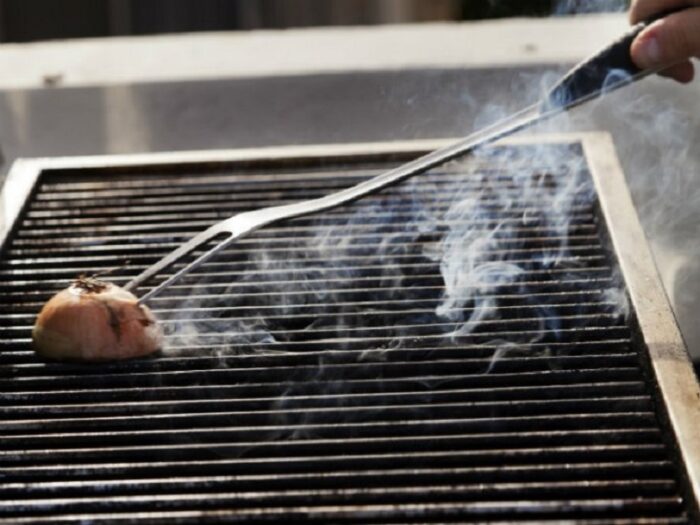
point(321, 371)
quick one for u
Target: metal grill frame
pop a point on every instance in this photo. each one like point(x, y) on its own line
point(668, 359)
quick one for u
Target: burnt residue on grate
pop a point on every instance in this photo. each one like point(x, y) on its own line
point(455, 348)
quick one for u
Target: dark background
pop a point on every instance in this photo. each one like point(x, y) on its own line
point(31, 20)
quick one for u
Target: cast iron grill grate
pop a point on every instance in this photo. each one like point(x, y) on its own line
point(316, 370)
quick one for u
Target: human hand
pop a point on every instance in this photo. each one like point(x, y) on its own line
point(672, 40)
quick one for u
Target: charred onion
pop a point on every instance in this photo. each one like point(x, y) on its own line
point(92, 320)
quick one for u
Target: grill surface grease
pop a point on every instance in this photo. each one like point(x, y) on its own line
point(316, 371)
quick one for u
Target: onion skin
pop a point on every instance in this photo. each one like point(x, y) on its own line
point(95, 321)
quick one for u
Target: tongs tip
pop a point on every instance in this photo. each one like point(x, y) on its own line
point(170, 259)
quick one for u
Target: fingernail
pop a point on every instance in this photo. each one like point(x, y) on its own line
point(651, 51)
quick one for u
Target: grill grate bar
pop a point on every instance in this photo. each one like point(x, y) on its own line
point(390, 414)
point(140, 202)
point(347, 444)
point(622, 403)
point(224, 209)
point(532, 473)
point(389, 289)
point(335, 276)
point(440, 327)
point(376, 515)
point(408, 383)
point(63, 236)
point(528, 393)
point(374, 220)
point(301, 387)
point(226, 343)
point(380, 291)
point(282, 173)
point(432, 185)
point(469, 173)
point(525, 424)
point(243, 268)
point(347, 252)
point(383, 372)
point(401, 214)
point(565, 308)
point(553, 454)
point(344, 306)
point(273, 348)
point(435, 193)
point(373, 239)
point(419, 328)
point(280, 181)
point(603, 493)
point(313, 350)
point(517, 379)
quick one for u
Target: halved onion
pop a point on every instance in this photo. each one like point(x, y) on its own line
point(93, 320)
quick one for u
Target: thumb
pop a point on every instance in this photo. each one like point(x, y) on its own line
point(668, 41)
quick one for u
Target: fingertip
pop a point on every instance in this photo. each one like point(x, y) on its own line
point(667, 41)
point(645, 50)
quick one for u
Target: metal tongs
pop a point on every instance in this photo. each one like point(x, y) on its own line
point(606, 71)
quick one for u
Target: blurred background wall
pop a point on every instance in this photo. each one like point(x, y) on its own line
point(31, 20)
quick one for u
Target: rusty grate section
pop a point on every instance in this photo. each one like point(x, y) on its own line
point(317, 371)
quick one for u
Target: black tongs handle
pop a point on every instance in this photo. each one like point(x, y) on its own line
point(610, 65)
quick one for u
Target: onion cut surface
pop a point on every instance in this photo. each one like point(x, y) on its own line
point(93, 320)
